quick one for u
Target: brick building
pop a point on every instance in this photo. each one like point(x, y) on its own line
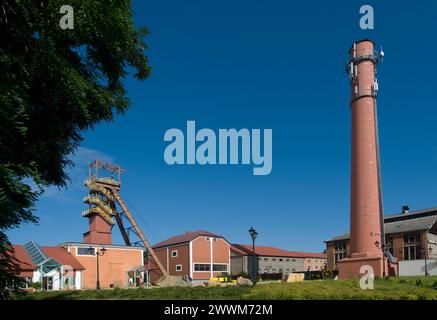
point(408, 236)
point(74, 265)
point(271, 260)
point(116, 265)
point(53, 267)
point(198, 255)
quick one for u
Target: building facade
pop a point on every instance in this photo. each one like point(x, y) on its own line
point(116, 264)
point(199, 255)
point(271, 260)
point(54, 268)
point(408, 236)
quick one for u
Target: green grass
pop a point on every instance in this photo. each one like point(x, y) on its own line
point(392, 288)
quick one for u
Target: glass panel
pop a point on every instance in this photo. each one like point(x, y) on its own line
point(202, 267)
point(220, 267)
point(86, 251)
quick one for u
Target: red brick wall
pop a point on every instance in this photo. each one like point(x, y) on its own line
point(202, 254)
point(201, 250)
point(330, 253)
point(99, 231)
point(169, 262)
point(112, 266)
point(154, 271)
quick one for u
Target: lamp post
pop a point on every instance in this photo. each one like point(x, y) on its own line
point(426, 259)
point(98, 254)
point(253, 235)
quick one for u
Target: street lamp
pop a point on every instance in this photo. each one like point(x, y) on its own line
point(98, 254)
point(253, 235)
point(426, 259)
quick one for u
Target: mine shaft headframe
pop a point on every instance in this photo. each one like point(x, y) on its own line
point(110, 171)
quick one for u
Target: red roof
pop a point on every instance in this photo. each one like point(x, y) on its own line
point(63, 257)
point(22, 258)
point(245, 249)
point(185, 237)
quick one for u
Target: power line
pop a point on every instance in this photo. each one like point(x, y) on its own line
point(148, 226)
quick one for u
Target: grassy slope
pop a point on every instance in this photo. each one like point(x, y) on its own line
point(393, 288)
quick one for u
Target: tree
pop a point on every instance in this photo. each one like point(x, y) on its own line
point(55, 83)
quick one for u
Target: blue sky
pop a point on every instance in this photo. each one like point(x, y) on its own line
point(256, 64)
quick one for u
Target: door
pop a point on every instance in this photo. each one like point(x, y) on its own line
point(48, 283)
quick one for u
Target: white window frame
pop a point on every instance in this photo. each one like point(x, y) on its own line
point(204, 263)
point(179, 268)
point(221, 264)
point(173, 255)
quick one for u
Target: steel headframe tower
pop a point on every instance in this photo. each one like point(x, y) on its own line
point(366, 215)
point(102, 212)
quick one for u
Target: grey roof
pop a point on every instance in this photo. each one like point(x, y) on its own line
point(412, 221)
point(410, 225)
point(338, 238)
point(411, 214)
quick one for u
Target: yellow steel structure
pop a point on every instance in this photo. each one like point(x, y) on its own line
point(104, 194)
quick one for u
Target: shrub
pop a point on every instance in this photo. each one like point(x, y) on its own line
point(36, 285)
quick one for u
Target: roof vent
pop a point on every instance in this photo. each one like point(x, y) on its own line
point(405, 209)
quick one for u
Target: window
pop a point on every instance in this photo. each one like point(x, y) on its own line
point(178, 267)
point(280, 259)
point(266, 259)
point(174, 253)
point(412, 246)
point(26, 284)
point(294, 260)
point(86, 251)
point(287, 260)
point(339, 252)
point(220, 267)
point(207, 267)
point(274, 259)
point(202, 267)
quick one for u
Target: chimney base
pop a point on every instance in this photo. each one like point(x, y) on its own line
point(349, 268)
